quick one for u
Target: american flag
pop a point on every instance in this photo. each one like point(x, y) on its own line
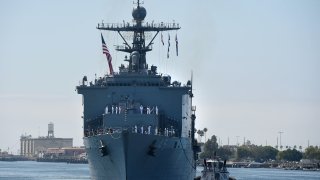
point(105, 51)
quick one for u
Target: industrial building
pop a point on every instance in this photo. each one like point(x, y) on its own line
point(70, 152)
point(33, 147)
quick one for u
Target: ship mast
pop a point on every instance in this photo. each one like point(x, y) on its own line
point(138, 47)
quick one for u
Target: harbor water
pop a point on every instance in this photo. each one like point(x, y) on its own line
point(30, 170)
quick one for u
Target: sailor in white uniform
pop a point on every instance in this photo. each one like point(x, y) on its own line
point(149, 129)
point(156, 131)
point(107, 110)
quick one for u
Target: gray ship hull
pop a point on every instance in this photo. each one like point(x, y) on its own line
point(129, 157)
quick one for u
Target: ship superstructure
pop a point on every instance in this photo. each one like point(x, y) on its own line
point(137, 123)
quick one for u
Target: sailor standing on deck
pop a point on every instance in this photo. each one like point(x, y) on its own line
point(116, 109)
point(156, 110)
point(119, 109)
point(149, 129)
point(156, 131)
point(141, 129)
point(141, 109)
point(112, 109)
point(107, 110)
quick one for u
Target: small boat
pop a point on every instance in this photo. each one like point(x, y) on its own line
point(215, 169)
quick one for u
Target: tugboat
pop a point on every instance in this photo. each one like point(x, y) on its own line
point(215, 170)
point(137, 123)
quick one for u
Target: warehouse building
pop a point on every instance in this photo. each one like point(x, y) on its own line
point(33, 147)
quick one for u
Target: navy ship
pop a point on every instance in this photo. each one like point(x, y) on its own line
point(138, 124)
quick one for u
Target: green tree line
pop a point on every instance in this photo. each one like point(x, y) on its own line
point(256, 153)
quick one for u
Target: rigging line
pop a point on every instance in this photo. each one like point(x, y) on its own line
point(125, 42)
point(166, 50)
point(117, 41)
point(151, 42)
point(159, 53)
point(166, 63)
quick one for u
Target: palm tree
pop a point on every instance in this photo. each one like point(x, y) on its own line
point(205, 134)
point(201, 134)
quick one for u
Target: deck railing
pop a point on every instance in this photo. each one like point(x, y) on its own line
point(147, 130)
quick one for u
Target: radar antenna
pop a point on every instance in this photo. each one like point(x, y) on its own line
point(191, 80)
point(138, 47)
point(138, 3)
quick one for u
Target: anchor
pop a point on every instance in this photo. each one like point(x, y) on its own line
point(103, 149)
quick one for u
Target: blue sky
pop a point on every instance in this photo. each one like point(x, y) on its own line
point(255, 63)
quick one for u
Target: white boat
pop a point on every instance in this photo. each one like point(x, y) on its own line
point(215, 170)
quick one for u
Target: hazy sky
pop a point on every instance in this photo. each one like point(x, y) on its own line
point(256, 64)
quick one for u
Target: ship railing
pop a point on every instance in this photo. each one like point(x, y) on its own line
point(149, 130)
point(103, 131)
point(124, 48)
point(110, 109)
point(151, 25)
point(121, 47)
